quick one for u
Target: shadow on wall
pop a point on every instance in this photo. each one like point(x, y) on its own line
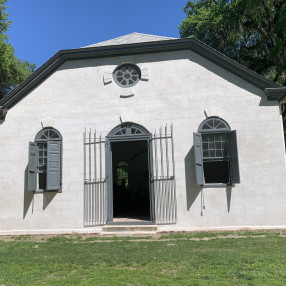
point(28, 195)
point(228, 197)
point(47, 198)
point(192, 189)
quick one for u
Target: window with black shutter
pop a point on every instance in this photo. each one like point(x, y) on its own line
point(216, 156)
point(45, 161)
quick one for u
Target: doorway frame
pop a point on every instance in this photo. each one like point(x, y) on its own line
point(113, 137)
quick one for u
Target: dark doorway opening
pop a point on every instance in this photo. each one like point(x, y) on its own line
point(131, 196)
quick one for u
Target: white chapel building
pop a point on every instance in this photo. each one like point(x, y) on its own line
point(142, 130)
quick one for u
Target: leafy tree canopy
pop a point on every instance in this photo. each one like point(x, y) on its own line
point(12, 70)
point(252, 32)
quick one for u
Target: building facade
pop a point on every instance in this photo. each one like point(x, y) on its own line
point(142, 129)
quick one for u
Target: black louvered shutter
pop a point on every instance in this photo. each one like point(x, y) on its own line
point(234, 165)
point(198, 153)
point(53, 165)
point(32, 166)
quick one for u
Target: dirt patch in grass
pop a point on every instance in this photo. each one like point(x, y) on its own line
point(161, 236)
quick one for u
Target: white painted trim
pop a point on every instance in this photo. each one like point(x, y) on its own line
point(126, 92)
point(128, 117)
point(107, 77)
point(214, 111)
point(145, 75)
point(48, 122)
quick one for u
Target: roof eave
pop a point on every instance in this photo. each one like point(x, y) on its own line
point(132, 49)
point(277, 93)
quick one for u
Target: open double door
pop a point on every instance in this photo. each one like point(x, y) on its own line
point(129, 176)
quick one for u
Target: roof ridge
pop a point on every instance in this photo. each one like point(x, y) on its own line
point(144, 34)
point(131, 38)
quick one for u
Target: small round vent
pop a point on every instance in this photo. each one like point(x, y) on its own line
point(127, 75)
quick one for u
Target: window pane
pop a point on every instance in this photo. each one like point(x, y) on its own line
point(205, 146)
point(205, 139)
point(216, 145)
point(219, 154)
point(207, 126)
point(205, 154)
point(212, 153)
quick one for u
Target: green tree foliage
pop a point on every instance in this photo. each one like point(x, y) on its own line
point(12, 70)
point(252, 32)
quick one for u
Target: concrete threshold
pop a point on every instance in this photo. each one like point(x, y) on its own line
point(129, 230)
point(129, 234)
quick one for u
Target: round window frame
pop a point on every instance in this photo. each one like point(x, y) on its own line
point(126, 65)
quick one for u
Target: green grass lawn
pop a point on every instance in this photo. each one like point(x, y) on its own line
point(238, 258)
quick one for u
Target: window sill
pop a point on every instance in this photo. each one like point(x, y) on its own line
point(217, 185)
point(47, 191)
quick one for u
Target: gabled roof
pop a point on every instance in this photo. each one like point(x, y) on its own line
point(134, 44)
point(130, 39)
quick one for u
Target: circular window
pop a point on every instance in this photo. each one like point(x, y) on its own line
point(127, 75)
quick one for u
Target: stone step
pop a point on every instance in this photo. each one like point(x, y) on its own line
point(127, 234)
point(129, 229)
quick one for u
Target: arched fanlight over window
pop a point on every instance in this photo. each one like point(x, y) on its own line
point(127, 75)
point(213, 124)
point(48, 134)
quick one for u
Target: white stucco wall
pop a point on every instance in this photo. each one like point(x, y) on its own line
point(181, 89)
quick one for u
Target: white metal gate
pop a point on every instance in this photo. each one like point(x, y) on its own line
point(94, 180)
point(163, 180)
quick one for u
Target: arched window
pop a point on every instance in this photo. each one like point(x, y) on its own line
point(45, 164)
point(216, 157)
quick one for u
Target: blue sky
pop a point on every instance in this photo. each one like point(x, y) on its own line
point(41, 28)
